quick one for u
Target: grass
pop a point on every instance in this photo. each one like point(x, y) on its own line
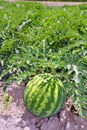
point(36, 39)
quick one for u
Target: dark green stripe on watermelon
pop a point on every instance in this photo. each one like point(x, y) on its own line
point(28, 90)
point(47, 99)
point(35, 103)
point(61, 99)
point(50, 105)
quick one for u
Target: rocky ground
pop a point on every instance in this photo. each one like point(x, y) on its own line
point(16, 117)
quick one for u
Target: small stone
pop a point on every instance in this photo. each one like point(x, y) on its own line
point(64, 114)
point(35, 120)
point(52, 118)
point(24, 123)
point(17, 120)
point(18, 128)
point(26, 128)
point(27, 122)
point(76, 127)
point(39, 124)
point(69, 126)
point(82, 126)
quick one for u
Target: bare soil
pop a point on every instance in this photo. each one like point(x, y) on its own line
point(61, 3)
point(50, 3)
point(16, 116)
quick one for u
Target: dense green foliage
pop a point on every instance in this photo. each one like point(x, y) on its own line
point(37, 39)
point(44, 95)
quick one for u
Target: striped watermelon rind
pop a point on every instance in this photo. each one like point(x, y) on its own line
point(44, 95)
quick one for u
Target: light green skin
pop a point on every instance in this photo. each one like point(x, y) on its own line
point(44, 95)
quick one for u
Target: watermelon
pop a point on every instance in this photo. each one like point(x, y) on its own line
point(44, 95)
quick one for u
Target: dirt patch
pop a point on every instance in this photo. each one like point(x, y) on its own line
point(61, 3)
point(49, 3)
point(16, 117)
